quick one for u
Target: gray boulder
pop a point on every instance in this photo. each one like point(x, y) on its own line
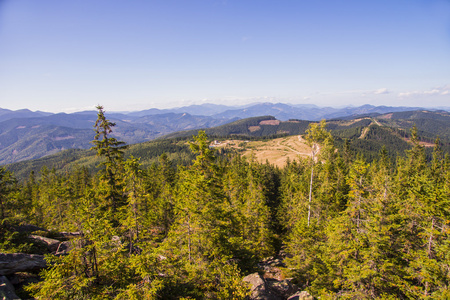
point(259, 289)
point(7, 291)
point(11, 263)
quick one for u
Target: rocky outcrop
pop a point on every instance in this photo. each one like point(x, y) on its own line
point(7, 291)
point(283, 288)
point(22, 269)
point(269, 288)
point(11, 263)
point(303, 295)
point(259, 289)
point(52, 244)
point(270, 284)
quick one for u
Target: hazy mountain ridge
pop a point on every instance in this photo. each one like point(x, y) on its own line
point(206, 109)
point(6, 114)
point(368, 110)
point(27, 135)
point(285, 112)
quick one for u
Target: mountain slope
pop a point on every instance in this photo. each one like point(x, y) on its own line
point(367, 136)
point(429, 123)
point(36, 134)
point(148, 153)
point(34, 137)
point(285, 112)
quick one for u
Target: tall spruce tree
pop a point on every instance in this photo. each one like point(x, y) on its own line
point(112, 150)
point(7, 183)
point(197, 249)
point(247, 205)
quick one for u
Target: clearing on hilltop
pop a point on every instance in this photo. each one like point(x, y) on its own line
point(275, 151)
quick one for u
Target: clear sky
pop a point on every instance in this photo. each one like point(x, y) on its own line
point(128, 55)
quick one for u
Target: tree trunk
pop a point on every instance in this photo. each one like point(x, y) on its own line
point(189, 239)
point(311, 186)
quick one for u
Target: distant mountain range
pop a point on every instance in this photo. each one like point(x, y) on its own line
point(281, 111)
point(366, 136)
point(28, 135)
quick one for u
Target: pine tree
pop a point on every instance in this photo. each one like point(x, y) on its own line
point(294, 194)
point(197, 250)
point(24, 205)
point(316, 135)
point(133, 218)
point(7, 185)
point(424, 213)
point(384, 253)
point(112, 150)
point(248, 210)
point(304, 242)
point(159, 185)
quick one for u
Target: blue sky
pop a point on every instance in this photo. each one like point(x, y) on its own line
point(128, 55)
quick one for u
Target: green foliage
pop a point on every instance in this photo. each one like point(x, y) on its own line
point(317, 137)
point(388, 131)
point(251, 231)
point(69, 160)
point(7, 186)
point(104, 144)
point(351, 228)
point(12, 241)
point(386, 242)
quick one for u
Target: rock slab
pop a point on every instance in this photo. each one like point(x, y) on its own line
point(11, 263)
point(52, 244)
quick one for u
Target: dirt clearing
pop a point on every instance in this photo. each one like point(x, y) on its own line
point(276, 151)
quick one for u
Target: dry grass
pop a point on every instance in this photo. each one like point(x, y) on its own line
point(274, 151)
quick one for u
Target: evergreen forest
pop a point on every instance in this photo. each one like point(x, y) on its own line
point(348, 228)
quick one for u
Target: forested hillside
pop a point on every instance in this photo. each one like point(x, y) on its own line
point(66, 161)
point(364, 136)
point(26, 135)
point(37, 135)
point(344, 227)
